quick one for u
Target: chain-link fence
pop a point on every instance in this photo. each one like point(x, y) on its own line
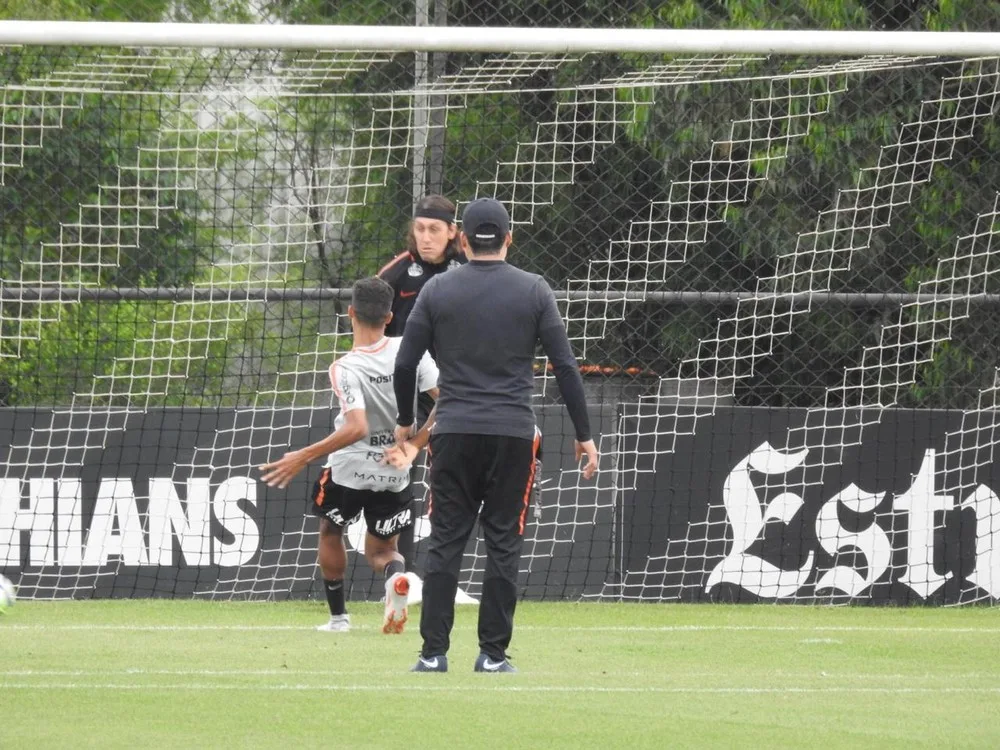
point(178, 226)
point(723, 164)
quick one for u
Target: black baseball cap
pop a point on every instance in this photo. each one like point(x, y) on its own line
point(485, 219)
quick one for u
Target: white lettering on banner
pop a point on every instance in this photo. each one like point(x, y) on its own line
point(37, 519)
point(191, 529)
point(53, 518)
point(42, 501)
point(70, 520)
point(872, 542)
point(743, 507)
point(986, 505)
point(10, 522)
point(921, 504)
point(242, 526)
point(115, 508)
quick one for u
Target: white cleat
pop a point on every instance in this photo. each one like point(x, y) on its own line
point(397, 590)
point(337, 624)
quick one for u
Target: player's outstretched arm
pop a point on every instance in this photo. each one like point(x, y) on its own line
point(279, 473)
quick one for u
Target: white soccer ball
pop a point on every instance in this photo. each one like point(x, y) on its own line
point(8, 595)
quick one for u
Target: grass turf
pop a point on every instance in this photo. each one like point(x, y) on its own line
point(200, 674)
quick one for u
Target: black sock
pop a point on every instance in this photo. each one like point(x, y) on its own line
point(393, 567)
point(335, 596)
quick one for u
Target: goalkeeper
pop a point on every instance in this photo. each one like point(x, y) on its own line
point(432, 247)
point(483, 321)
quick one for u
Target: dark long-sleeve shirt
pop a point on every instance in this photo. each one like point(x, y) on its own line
point(483, 321)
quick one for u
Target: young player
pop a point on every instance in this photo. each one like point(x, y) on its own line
point(355, 479)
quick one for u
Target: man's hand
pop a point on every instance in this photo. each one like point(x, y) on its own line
point(279, 473)
point(403, 433)
point(590, 450)
point(400, 456)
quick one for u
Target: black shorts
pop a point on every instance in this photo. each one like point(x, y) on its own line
point(386, 513)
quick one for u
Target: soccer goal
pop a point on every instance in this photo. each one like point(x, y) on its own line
point(773, 251)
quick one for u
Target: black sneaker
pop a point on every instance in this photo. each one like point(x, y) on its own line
point(485, 664)
point(431, 664)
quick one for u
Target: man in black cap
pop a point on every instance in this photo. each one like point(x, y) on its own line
point(483, 321)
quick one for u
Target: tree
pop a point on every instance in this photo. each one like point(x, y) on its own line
point(310, 186)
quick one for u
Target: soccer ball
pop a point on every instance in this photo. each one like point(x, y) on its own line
point(7, 593)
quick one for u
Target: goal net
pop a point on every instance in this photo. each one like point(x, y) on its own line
point(777, 272)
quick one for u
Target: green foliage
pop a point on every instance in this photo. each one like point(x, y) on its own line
point(795, 14)
point(120, 10)
point(680, 14)
point(207, 220)
point(347, 12)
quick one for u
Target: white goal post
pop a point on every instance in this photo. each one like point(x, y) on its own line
point(481, 39)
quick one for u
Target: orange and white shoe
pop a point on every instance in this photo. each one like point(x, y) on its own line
point(397, 590)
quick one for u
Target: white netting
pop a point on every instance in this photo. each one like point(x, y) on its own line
point(272, 200)
point(869, 387)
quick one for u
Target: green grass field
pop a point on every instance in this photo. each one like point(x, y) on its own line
point(191, 674)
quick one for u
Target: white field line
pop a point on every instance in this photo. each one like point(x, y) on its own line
point(931, 630)
point(783, 675)
point(499, 688)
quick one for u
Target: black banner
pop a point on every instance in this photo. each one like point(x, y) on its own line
point(795, 505)
point(735, 504)
point(168, 502)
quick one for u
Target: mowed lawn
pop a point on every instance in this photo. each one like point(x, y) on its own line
point(193, 674)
